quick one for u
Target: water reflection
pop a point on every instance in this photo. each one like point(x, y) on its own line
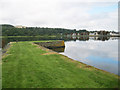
point(101, 54)
point(86, 38)
point(82, 38)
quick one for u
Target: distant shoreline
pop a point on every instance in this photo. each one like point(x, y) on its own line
point(68, 36)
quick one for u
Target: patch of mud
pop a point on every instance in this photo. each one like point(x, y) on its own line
point(49, 53)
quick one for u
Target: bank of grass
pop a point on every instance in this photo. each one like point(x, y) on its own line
point(25, 66)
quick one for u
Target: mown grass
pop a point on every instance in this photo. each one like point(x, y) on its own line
point(26, 67)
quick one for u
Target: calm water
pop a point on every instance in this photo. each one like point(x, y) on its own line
point(97, 53)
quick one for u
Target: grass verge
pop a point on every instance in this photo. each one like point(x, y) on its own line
point(27, 66)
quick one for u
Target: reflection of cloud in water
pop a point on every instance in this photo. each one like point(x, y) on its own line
point(106, 53)
point(97, 48)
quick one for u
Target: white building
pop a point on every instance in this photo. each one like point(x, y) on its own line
point(74, 34)
point(91, 33)
point(20, 26)
point(112, 33)
point(95, 33)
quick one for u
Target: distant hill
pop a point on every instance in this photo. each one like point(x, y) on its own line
point(6, 25)
point(10, 30)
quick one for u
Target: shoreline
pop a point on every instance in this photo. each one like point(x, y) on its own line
point(64, 36)
point(38, 63)
point(54, 52)
point(75, 61)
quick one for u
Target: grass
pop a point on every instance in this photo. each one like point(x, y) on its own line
point(25, 66)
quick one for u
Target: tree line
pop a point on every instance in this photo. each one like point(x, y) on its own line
point(10, 30)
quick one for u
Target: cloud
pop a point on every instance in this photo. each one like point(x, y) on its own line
point(59, 13)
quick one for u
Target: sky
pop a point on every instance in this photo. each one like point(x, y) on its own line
point(71, 14)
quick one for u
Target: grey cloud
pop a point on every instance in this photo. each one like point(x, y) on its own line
point(58, 13)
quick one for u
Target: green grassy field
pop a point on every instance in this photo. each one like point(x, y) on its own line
point(27, 66)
